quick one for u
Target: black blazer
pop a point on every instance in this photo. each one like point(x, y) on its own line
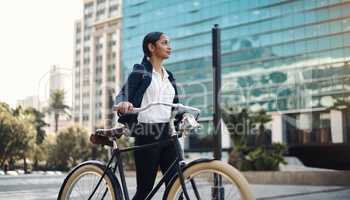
point(135, 87)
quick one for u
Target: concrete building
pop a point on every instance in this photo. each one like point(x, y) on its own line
point(96, 62)
point(30, 101)
point(290, 58)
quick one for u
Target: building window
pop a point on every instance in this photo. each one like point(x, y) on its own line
point(86, 61)
point(113, 2)
point(77, 63)
point(78, 29)
point(88, 8)
point(86, 49)
point(86, 38)
point(100, 14)
point(113, 10)
point(88, 16)
point(85, 118)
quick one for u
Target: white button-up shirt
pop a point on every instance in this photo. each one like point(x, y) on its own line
point(159, 90)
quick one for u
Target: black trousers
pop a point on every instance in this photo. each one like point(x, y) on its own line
point(149, 160)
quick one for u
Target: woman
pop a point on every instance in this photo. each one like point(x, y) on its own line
point(149, 82)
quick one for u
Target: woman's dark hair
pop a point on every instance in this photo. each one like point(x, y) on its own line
point(152, 38)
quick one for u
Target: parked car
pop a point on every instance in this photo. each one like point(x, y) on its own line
point(12, 173)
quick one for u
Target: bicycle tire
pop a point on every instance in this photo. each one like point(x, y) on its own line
point(90, 168)
point(234, 177)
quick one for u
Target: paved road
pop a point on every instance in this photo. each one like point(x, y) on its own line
point(45, 187)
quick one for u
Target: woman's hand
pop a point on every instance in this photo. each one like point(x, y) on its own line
point(124, 107)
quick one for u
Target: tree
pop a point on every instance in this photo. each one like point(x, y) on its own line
point(48, 151)
point(72, 147)
point(26, 126)
point(243, 155)
point(260, 118)
point(57, 106)
point(37, 120)
point(17, 134)
point(9, 139)
point(38, 123)
point(238, 124)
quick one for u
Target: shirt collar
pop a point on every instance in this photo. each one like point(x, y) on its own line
point(166, 75)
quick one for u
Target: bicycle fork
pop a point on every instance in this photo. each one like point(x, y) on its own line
point(180, 172)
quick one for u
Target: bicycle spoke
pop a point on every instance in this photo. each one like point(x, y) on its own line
point(79, 190)
point(99, 191)
point(82, 188)
point(92, 185)
point(194, 186)
point(201, 186)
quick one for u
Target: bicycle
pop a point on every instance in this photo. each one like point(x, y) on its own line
point(199, 179)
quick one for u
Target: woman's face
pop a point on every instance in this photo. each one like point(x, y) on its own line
point(162, 47)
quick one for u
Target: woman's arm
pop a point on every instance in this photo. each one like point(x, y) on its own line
point(122, 100)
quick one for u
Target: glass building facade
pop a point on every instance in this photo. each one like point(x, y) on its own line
point(289, 57)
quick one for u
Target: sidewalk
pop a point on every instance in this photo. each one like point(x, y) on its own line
point(300, 192)
point(295, 173)
point(45, 187)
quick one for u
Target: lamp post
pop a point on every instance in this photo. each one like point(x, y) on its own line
point(217, 190)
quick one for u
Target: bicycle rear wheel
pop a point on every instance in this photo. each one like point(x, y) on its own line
point(199, 181)
point(82, 180)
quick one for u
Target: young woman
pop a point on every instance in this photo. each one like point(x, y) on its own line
point(149, 82)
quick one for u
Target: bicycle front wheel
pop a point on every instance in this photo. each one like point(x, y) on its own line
point(82, 180)
point(201, 183)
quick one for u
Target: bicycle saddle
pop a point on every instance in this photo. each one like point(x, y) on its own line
point(105, 136)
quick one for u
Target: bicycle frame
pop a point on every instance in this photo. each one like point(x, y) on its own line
point(116, 153)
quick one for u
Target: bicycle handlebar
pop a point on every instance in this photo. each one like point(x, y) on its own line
point(173, 105)
point(101, 136)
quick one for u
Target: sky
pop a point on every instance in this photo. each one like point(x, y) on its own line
point(34, 36)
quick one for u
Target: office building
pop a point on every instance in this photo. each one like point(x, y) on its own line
point(290, 58)
point(96, 62)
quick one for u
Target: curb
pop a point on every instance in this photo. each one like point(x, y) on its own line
point(334, 178)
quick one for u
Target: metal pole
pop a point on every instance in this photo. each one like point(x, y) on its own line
point(216, 88)
point(110, 118)
point(217, 189)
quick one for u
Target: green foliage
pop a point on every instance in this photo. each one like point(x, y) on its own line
point(247, 81)
point(57, 106)
point(38, 122)
point(259, 119)
point(240, 124)
point(17, 134)
point(22, 138)
point(243, 156)
point(278, 77)
point(258, 159)
point(237, 122)
point(71, 148)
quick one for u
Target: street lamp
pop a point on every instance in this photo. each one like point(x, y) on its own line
point(217, 190)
